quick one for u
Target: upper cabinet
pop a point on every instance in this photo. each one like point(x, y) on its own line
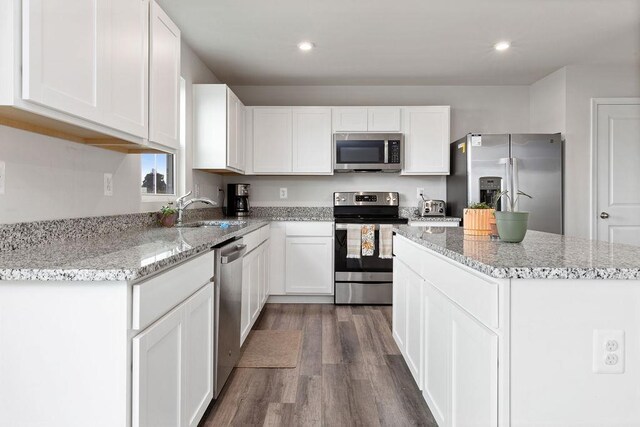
point(164, 81)
point(291, 140)
point(426, 140)
point(102, 73)
point(366, 119)
point(218, 129)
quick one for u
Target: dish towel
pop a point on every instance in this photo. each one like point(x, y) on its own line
point(386, 241)
point(353, 241)
point(368, 239)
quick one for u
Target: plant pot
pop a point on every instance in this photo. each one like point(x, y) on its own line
point(167, 220)
point(512, 226)
point(477, 222)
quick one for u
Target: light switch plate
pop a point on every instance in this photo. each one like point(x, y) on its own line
point(608, 351)
point(283, 193)
point(108, 184)
point(2, 177)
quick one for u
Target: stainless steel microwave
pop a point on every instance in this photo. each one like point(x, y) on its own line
point(367, 152)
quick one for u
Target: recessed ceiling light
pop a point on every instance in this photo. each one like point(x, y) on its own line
point(306, 46)
point(502, 46)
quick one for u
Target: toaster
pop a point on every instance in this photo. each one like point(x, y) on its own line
point(431, 208)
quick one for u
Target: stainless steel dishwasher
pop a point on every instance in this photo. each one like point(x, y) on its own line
point(228, 293)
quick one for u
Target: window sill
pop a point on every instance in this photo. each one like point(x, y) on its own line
point(161, 198)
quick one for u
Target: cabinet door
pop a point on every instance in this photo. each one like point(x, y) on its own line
point(128, 86)
point(349, 119)
point(272, 138)
point(309, 265)
point(383, 119)
point(277, 258)
point(241, 114)
point(232, 130)
point(399, 314)
point(266, 278)
point(414, 343)
point(64, 52)
point(157, 382)
point(198, 366)
point(474, 372)
point(245, 310)
point(437, 352)
point(256, 278)
point(312, 143)
point(426, 140)
point(164, 79)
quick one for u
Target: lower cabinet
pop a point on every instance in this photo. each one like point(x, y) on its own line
point(452, 355)
point(255, 287)
point(309, 265)
point(172, 380)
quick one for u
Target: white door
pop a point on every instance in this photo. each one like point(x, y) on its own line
point(617, 133)
point(232, 129)
point(312, 143)
point(277, 252)
point(415, 325)
point(245, 300)
point(383, 119)
point(157, 373)
point(474, 372)
point(241, 114)
point(349, 119)
point(426, 140)
point(164, 79)
point(309, 265)
point(254, 285)
point(266, 274)
point(64, 54)
point(128, 86)
point(272, 136)
point(198, 354)
point(399, 308)
point(437, 344)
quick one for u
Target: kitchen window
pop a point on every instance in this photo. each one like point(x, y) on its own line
point(158, 174)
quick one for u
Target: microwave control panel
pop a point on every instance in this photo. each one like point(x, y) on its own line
point(394, 151)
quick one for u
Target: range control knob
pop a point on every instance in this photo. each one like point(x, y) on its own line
point(343, 199)
point(427, 210)
point(388, 199)
point(440, 210)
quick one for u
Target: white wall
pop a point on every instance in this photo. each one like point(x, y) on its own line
point(49, 178)
point(547, 103)
point(583, 83)
point(473, 109)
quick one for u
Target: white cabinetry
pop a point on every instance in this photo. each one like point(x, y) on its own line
point(255, 279)
point(164, 79)
point(441, 332)
point(309, 258)
point(312, 140)
point(219, 128)
point(366, 119)
point(172, 365)
point(426, 140)
point(272, 136)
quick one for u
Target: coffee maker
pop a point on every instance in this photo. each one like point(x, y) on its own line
point(237, 200)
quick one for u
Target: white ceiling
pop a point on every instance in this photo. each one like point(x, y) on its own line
point(372, 42)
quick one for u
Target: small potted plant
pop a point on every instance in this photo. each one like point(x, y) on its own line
point(512, 225)
point(167, 215)
point(477, 219)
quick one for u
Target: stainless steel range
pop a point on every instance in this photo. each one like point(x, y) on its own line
point(365, 279)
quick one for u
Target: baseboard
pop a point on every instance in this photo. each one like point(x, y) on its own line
point(300, 299)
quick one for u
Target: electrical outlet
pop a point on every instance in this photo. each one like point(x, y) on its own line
point(283, 193)
point(419, 192)
point(608, 351)
point(108, 184)
point(2, 177)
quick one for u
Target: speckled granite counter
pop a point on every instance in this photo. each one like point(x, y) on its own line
point(129, 255)
point(539, 256)
point(297, 213)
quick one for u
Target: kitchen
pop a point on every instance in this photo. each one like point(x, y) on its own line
point(103, 311)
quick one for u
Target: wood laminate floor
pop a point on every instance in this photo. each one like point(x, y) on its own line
point(350, 373)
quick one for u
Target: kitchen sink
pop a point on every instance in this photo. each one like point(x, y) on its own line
point(213, 224)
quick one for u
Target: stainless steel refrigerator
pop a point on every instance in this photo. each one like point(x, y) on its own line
point(484, 164)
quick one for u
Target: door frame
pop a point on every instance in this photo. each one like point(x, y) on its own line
point(593, 202)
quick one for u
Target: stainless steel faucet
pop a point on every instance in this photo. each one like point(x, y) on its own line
point(182, 204)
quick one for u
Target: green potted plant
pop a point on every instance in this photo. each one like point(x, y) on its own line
point(167, 215)
point(477, 219)
point(511, 224)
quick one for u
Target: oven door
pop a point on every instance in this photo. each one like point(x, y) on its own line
point(364, 280)
point(367, 152)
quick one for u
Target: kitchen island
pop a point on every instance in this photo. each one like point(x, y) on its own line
point(545, 332)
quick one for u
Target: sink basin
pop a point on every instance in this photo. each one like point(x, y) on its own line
point(213, 224)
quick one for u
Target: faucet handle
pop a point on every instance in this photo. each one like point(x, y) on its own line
point(180, 199)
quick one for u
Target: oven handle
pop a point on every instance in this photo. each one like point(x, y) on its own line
point(344, 226)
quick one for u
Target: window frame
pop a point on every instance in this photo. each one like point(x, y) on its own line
point(150, 198)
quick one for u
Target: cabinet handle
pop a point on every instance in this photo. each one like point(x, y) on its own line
point(604, 215)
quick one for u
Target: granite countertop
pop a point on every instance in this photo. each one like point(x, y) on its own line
point(120, 256)
point(418, 218)
point(539, 256)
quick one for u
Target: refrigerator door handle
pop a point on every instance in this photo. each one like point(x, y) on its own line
point(506, 183)
point(516, 183)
